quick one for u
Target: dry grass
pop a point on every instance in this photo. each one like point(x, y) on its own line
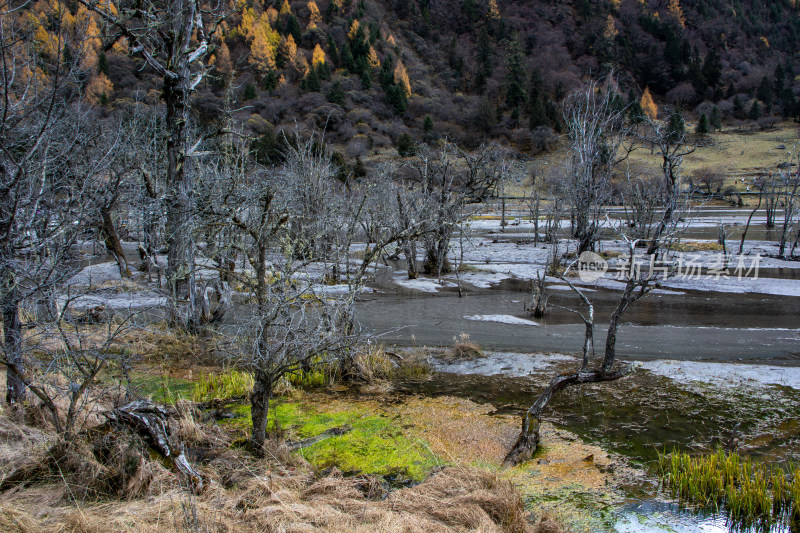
point(371, 363)
point(109, 482)
point(697, 246)
point(737, 154)
point(454, 500)
point(464, 349)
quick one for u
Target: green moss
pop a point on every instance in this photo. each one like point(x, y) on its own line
point(374, 445)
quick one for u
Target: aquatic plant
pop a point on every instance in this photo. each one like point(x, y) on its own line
point(228, 384)
point(752, 494)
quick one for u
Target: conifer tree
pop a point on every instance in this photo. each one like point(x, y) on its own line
point(702, 125)
point(649, 107)
point(515, 76)
point(716, 119)
point(401, 78)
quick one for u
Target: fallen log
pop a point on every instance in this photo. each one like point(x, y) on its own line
point(150, 421)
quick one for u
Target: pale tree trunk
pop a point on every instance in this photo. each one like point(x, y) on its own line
point(180, 207)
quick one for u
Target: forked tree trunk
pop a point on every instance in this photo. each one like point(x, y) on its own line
point(528, 440)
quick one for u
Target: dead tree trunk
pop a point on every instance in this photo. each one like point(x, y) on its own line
point(528, 439)
point(749, 219)
point(12, 342)
point(112, 242)
point(150, 421)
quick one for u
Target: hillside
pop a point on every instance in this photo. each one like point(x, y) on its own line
point(369, 71)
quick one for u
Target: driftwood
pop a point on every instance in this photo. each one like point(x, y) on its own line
point(150, 421)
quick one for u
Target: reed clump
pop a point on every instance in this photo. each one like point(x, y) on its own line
point(751, 493)
point(223, 386)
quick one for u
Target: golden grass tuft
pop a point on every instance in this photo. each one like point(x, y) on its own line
point(371, 363)
point(464, 349)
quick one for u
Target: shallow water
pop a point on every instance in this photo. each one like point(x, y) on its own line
point(700, 326)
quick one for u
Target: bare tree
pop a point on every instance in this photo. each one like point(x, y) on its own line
point(789, 188)
point(595, 134)
point(42, 178)
point(638, 283)
point(448, 180)
point(176, 40)
point(672, 147)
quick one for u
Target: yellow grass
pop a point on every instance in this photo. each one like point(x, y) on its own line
point(736, 154)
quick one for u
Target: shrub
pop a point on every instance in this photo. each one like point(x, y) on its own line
point(405, 145)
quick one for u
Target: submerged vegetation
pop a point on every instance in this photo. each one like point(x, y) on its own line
point(753, 494)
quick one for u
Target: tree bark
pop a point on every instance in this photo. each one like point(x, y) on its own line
point(12, 344)
point(259, 409)
point(150, 421)
point(180, 208)
point(112, 242)
point(529, 437)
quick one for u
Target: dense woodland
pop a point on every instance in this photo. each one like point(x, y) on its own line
point(370, 72)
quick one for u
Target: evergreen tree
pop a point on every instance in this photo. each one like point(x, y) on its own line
point(738, 107)
point(271, 79)
point(787, 102)
point(731, 91)
point(755, 111)
point(485, 54)
point(405, 145)
point(470, 8)
point(336, 94)
point(347, 57)
point(712, 68)
point(427, 124)
point(635, 113)
point(293, 28)
point(779, 80)
point(333, 50)
point(311, 82)
point(396, 96)
point(387, 73)
point(515, 76)
point(764, 93)
point(366, 79)
point(716, 119)
point(676, 126)
point(249, 92)
point(702, 125)
point(102, 63)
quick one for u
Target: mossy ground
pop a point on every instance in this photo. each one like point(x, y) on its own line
point(374, 443)
point(406, 438)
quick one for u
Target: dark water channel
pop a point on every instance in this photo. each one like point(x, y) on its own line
point(692, 326)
